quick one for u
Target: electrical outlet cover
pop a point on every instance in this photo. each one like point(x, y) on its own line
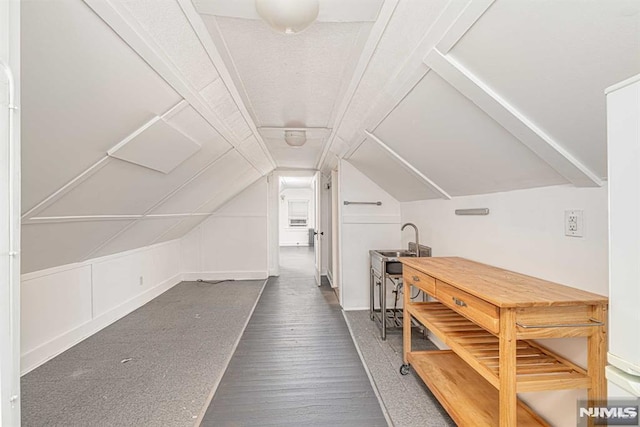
point(573, 223)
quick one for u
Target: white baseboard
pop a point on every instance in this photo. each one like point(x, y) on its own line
point(294, 244)
point(222, 275)
point(355, 308)
point(47, 351)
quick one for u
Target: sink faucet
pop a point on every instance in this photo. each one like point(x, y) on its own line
point(410, 224)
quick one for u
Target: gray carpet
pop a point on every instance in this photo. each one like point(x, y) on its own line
point(177, 347)
point(296, 364)
point(408, 402)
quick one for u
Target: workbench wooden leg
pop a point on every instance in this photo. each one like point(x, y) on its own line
point(406, 322)
point(508, 343)
point(597, 356)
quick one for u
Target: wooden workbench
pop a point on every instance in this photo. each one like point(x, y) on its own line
point(488, 317)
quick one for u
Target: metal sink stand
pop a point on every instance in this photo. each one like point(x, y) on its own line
point(384, 316)
point(388, 317)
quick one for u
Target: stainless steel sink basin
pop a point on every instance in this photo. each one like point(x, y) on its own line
point(389, 258)
point(396, 254)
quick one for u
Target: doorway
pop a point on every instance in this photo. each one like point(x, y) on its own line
point(298, 228)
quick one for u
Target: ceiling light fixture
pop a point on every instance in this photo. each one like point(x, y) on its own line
point(288, 16)
point(295, 138)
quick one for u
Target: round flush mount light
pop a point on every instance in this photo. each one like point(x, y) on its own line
point(288, 16)
point(295, 138)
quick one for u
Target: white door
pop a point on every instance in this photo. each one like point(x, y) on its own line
point(317, 194)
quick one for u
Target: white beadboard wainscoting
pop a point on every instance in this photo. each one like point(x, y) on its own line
point(63, 305)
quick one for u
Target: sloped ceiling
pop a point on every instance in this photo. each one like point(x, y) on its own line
point(501, 95)
point(428, 98)
point(85, 90)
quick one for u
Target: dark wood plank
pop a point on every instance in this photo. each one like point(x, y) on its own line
point(296, 363)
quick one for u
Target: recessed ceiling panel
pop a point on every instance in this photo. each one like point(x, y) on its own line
point(386, 171)
point(192, 124)
point(157, 145)
point(143, 233)
point(83, 90)
point(216, 179)
point(552, 60)
point(291, 81)
point(54, 244)
point(456, 145)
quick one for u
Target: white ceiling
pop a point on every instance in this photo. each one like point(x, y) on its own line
point(553, 59)
point(278, 75)
point(428, 98)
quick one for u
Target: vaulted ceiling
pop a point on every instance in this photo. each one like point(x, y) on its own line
point(142, 117)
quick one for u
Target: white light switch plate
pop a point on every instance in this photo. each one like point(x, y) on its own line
point(573, 224)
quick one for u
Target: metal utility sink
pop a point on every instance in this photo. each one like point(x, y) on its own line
point(386, 267)
point(390, 259)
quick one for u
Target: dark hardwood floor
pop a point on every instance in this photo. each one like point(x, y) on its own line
point(296, 364)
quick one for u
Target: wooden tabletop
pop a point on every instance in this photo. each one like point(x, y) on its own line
point(502, 288)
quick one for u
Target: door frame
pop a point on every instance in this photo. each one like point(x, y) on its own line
point(10, 216)
point(274, 214)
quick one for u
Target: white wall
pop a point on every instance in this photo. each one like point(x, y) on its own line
point(63, 305)
point(524, 232)
point(363, 227)
point(295, 236)
point(233, 242)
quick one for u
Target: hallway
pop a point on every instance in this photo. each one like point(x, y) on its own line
point(296, 363)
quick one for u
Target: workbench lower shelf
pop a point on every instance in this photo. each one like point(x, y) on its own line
point(465, 394)
point(536, 367)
